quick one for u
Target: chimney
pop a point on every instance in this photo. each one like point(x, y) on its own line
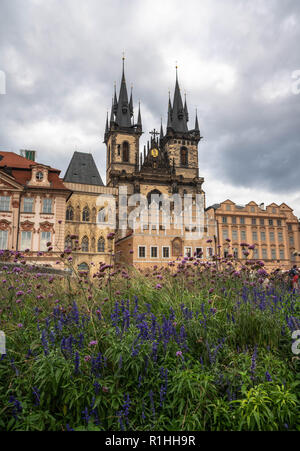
point(28, 154)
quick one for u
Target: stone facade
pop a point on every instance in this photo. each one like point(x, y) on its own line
point(273, 230)
point(82, 221)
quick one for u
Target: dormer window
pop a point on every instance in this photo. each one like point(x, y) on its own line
point(39, 176)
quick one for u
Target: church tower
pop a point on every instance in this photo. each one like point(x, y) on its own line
point(180, 142)
point(122, 136)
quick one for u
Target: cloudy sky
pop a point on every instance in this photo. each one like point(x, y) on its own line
point(236, 61)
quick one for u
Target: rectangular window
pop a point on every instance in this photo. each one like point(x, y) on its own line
point(47, 206)
point(166, 252)
point(228, 207)
point(209, 252)
point(256, 254)
point(224, 220)
point(281, 253)
point(262, 222)
point(273, 253)
point(242, 220)
point(234, 235)
point(263, 236)
point(272, 237)
point(28, 205)
point(290, 227)
point(225, 234)
point(264, 253)
point(271, 222)
point(154, 252)
point(142, 252)
point(45, 238)
point(3, 239)
point(252, 209)
point(291, 240)
point(243, 235)
point(187, 251)
point(235, 252)
point(199, 252)
point(254, 236)
point(234, 220)
point(4, 203)
point(280, 237)
point(279, 222)
point(253, 221)
point(26, 240)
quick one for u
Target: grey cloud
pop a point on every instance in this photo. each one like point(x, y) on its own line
point(62, 58)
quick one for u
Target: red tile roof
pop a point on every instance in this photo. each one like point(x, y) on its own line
point(21, 170)
point(13, 160)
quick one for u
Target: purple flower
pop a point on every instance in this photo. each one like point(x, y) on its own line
point(93, 343)
point(158, 286)
point(179, 353)
point(20, 326)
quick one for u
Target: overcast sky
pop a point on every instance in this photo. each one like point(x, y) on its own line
point(236, 59)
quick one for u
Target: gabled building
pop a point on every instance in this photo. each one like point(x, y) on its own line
point(32, 208)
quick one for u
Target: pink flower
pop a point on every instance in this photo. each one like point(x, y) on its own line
point(20, 326)
point(93, 343)
point(158, 286)
point(179, 353)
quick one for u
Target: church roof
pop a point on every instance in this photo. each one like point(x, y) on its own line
point(82, 169)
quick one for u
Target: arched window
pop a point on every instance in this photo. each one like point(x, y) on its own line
point(101, 245)
point(184, 156)
point(151, 199)
point(125, 152)
point(86, 215)
point(83, 267)
point(177, 247)
point(70, 213)
point(68, 242)
point(102, 215)
point(85, 244)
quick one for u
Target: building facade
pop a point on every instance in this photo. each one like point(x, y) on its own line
point(85, 211)
point(273, 230)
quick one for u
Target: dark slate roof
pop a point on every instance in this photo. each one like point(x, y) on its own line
point(82, 169)
point(214, 206)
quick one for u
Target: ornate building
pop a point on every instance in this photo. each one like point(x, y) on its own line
point(83, 213)
point(273, 230)
point(32, 208)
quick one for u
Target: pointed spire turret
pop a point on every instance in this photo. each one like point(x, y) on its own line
point(161, 130)
point(131, 103)
point(123, 117)
point(115, 101)
point(169, 125)
point(139, 121)
point(197, 123)
point(186, 112)
point(112, 116)
point(179, 120)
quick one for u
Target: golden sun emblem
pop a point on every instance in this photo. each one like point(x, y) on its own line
point(154, 153)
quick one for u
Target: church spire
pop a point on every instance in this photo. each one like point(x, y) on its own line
point(112, 116)
point(179, 120)
point(161, 130)
point(169, 125)
point(123, 118)
point(139, 122)
point(197, 123)
point(131, 103)
point(186, 112)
